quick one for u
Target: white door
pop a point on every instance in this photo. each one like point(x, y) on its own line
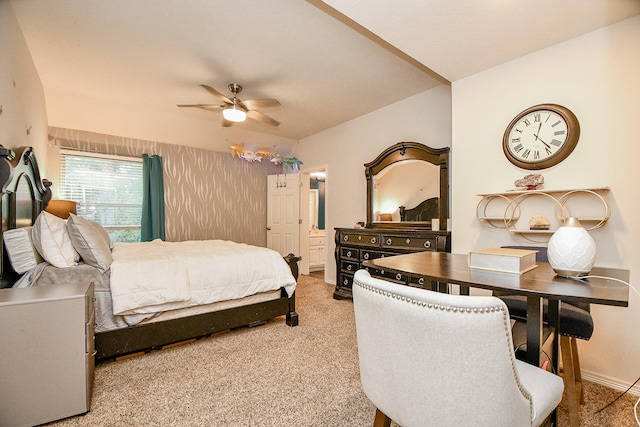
point(283, 213)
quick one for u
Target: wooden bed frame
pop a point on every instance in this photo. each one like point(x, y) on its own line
point(25, 194)
point(425, 211)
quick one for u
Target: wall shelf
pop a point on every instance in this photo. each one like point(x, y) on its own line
point(511, 210)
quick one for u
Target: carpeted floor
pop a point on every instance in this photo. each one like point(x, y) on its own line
point(272, 375)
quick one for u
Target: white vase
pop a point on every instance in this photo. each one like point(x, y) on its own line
point(571, 251)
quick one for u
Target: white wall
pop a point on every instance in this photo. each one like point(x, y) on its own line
point(597, 77)
point(344, 149)
point(21, 92)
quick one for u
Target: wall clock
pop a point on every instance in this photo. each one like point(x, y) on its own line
point(541, 136)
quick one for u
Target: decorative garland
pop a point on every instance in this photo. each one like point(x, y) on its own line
point(289, 163)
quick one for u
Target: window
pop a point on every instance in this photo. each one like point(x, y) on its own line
point(108, 190)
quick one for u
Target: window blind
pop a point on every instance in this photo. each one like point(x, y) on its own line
point(108, 189)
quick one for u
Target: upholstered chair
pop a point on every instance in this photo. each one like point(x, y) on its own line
point(434, 359)
point(575, 323)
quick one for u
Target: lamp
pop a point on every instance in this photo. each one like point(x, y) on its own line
point(61, 208)
point(571, 250)
point(234, 113)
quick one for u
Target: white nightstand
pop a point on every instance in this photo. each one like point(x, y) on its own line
point(46, 353)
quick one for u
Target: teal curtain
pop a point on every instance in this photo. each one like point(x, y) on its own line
point(152, 224)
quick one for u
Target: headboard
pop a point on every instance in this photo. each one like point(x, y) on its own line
point(24, 195)
point(425, 211)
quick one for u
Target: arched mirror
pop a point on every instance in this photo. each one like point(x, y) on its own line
point(408, 186)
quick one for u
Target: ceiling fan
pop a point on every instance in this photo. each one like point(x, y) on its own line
point(234, 110)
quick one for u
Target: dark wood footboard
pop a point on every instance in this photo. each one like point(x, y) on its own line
point(156, 335)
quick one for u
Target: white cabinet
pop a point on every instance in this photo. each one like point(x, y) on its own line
point(47, 353)
point(316, 252)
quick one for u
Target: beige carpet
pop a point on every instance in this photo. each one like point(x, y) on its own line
point(272, 375)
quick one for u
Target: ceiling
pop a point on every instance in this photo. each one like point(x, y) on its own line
point(121, 66)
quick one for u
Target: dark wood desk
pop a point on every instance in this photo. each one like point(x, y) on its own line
point(537, 284)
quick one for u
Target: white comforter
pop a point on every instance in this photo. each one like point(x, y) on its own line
point(156, 276)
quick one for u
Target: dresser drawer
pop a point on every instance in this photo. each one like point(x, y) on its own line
point(363, 239)
point(366, 254)
point(388, 275)
point(420, 282)
point(346, 280)
point(350, 253)
point(349, 266)
point(409, 242)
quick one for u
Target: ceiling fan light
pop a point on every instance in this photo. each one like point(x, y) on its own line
point(234, 114)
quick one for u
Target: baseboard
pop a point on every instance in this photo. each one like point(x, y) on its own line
point(610, 382)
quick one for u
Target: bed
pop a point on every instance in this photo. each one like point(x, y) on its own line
point(141, 323)
point(425, 211)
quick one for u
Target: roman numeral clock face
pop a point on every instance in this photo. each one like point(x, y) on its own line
point(541, 136)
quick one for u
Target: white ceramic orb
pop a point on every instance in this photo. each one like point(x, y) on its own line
point(572, 250)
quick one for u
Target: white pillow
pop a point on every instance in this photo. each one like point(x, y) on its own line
point(52, 241)
point(91, 241)
point(22, 255)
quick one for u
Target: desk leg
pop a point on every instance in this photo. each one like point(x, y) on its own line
point(534, 329)
point(553, 319)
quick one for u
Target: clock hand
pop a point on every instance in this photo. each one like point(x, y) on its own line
point(540, 139)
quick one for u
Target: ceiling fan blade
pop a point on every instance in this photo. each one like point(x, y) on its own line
point(258, 116)
point(217, 94)
point(255, 104)
point(203, 106)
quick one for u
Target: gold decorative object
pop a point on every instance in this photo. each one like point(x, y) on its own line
point(29, 130)
point(538, 222)
point(530, 181)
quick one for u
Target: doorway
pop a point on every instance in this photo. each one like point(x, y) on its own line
point(313, 236)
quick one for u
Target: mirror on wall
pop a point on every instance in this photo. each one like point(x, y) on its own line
point(408, 186)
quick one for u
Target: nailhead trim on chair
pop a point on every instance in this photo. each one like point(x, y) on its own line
point(426, 304)
point(455, 310)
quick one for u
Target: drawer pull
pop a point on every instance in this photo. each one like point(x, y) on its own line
point(349, 267)
point(421, 281)
point(349, 254)
point(398, 276)
point(427, 244)
point(345, 238)
point(345, 282)
point(373, 240)
point(366, 256)
point(389, 242)
point(408, 241)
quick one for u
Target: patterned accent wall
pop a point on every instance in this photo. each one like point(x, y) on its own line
point(208, 194)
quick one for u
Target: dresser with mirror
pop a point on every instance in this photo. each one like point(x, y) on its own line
point(407, 211)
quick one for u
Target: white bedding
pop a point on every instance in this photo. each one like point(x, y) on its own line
point(151, 277)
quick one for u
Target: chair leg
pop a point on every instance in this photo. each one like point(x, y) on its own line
point(381, 419)
point(576, 370)
point(569, 381)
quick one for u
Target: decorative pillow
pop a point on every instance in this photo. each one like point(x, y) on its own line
point(22, 255)
point(91, 241)
point(52, 241)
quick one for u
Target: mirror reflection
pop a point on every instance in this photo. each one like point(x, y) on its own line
point(402, 187)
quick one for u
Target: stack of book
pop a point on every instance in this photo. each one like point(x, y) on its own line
point(504, 260)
